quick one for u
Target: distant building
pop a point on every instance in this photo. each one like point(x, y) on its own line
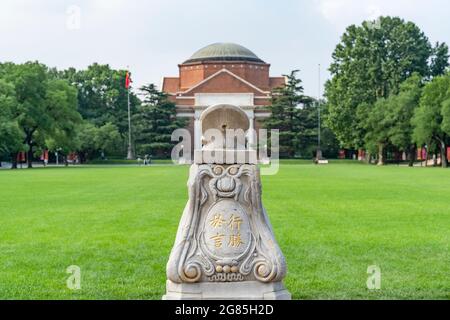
point(222, 73)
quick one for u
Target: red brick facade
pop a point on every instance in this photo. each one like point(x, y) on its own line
point(209, 77)
point(222, 73)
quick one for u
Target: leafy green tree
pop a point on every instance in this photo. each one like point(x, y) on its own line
point(102, 96)
point(30, 80)
point(289, 111)
point(10, 135)
point(154, 122)
point(63, 143)
point(388, 121)
point(376, 122)
point(432, 117)
point(307, 131)
point(439, 60)
point(92, 140)
point(401, 111)
point(108, 138)
point(45, 105)
point(87, 137)
point(62, 100)
point(370, 63)
point(446, 115)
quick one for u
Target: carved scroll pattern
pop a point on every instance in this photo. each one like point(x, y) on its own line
point(192, 261)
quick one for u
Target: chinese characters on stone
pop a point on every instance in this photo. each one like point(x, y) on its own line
point(233, 223)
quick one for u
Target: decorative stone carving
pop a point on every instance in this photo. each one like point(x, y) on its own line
point(225, 247)
point(225, 236)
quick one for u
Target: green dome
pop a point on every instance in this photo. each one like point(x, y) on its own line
point(223, 52)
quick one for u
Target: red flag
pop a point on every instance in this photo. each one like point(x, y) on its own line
point(128, 80)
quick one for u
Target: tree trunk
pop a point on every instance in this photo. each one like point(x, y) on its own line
point(14, 160)
point(83, 157)
point(381, 160)
point(29, 142)
point(30, 155)
point(411, 155)
point(368, 158)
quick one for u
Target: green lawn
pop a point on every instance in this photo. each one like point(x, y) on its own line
point(118, 224)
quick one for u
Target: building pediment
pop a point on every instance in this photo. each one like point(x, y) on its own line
point(223, 81)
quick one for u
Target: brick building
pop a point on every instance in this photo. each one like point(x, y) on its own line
point(222, 73)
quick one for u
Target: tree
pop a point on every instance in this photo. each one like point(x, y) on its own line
point(63, 143)
point(10, 135)
point(307, 131)
point(376, 122)
point(439, 60)
point(108, 138)
point(154, 122)
point(45, 105)
point(401, 111)
point(370, 63)
point(30, 86)
point(87, 137)
point(92, 139)
point(102, 96)
point(388, 121)
point(287, 115)
point(432, 117)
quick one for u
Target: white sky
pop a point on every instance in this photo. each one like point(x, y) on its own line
point(152, 37)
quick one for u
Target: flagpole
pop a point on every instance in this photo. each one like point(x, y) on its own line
point(319, 150)
point(319, 96)
point(130, 150)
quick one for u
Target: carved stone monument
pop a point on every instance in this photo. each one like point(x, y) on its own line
point(225, 247)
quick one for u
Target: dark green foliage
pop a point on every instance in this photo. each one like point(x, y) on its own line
point(432, 118)
point(439, 60)
point(388, 121)
point(153, 123)
point(296, 116)
point(41, 106)
point(11, 137)
point(287, 115)
point(371, 62)
point(102, 96)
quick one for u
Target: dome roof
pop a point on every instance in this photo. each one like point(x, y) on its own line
point(223, 51)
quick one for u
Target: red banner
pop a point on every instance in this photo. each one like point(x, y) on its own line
point(44, 155)
point(424, 154)
point(21, 156)
point(128, 80)
point(448, 153)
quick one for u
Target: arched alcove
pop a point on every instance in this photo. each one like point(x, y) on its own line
point(224, 116)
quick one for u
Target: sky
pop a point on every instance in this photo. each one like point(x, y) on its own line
point(152, 37)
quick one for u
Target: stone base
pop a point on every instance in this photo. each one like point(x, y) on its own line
point(245, 290)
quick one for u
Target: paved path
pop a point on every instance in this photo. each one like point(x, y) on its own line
point(6, 165)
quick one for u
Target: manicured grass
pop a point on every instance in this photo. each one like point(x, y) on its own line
point(125, 161)
point(118, 224)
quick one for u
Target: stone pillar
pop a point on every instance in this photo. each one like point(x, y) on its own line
point(225, 247)
point(251, 132)
point(197, 131)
